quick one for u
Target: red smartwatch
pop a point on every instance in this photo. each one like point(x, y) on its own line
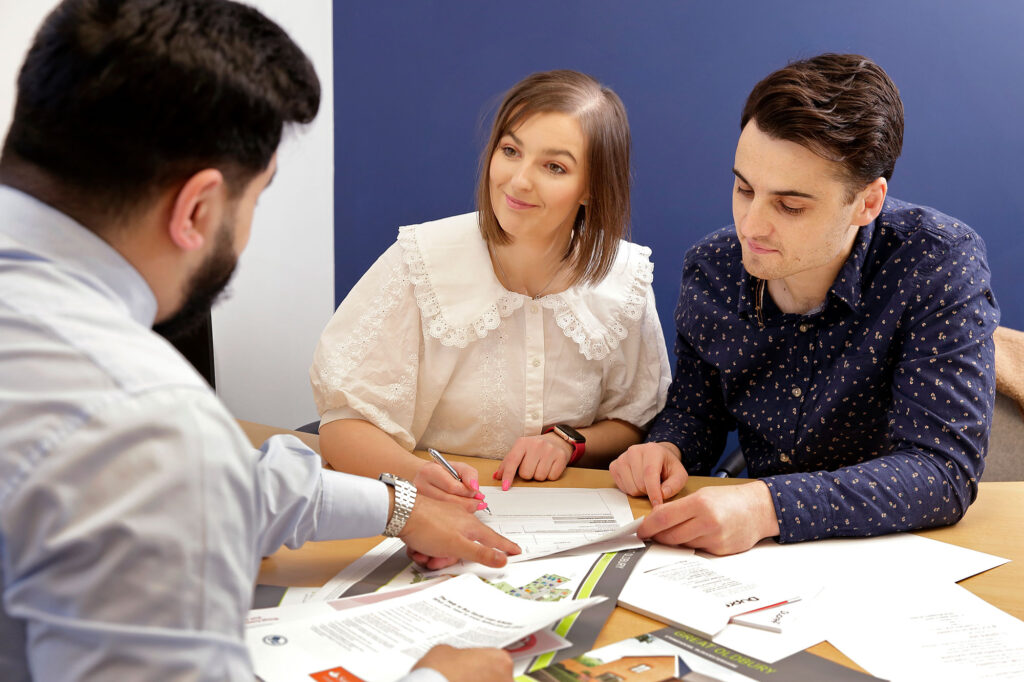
point(572, 437)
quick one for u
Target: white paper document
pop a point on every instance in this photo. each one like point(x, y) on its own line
point(545, 521)
point(841, 564)
point(690, 591)
point(935, 632)
point(774, 618)
point(383, 640)
point(358, 569)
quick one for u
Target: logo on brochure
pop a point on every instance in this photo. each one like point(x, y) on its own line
point(275, 640)
point(338, 674)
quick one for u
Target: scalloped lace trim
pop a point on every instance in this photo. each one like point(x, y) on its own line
point(599, 346)
point(437, 325)
point(593, 347)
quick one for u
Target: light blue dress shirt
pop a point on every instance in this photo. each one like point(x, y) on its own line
point(133, 510)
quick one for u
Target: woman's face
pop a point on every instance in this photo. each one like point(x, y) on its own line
point(538, 177)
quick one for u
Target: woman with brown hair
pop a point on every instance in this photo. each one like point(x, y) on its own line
point(525, 331)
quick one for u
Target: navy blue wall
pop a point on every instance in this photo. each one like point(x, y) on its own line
point(415, 83)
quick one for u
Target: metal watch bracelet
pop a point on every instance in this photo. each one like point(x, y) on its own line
point(405, 500)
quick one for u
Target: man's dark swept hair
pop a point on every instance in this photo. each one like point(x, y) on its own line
point(842, 107)
point(120, 99)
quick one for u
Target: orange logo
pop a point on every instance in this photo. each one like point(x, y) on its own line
point(338, 674)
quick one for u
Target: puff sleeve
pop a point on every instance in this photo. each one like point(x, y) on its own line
point(637, 382)
point(366, 363)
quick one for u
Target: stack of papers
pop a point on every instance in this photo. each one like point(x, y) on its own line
point(841, 590)
point(696, 592)
point(576, 544)
point(889, 603)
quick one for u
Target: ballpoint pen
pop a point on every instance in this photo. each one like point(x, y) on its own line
point(439, 458)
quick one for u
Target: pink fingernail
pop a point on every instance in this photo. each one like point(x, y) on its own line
point(495, 476)
point(481, 506)
point(478, 496)
point(505, 485)
point(474, 484)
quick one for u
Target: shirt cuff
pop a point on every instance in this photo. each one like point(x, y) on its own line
point(351, 506)
point(802, 514)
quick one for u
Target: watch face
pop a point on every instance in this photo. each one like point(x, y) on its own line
point(571, 433)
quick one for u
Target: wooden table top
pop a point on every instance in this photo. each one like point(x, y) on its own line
point(993, 524)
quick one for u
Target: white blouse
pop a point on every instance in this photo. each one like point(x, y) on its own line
point(433, 350)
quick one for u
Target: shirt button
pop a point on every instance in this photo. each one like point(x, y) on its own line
point(804, 327)
point(534, 308)
point(534, 416)
point(536, 362)
point(797, 392)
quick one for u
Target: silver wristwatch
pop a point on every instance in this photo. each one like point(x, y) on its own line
point(405, 499)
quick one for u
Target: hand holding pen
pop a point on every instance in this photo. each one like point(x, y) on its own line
point(472, 485)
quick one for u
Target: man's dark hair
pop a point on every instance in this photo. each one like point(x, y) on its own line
point(120, 99)
point(842, 107)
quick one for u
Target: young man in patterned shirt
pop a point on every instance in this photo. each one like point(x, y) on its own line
point(846, 335)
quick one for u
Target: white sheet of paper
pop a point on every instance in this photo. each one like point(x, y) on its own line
point(313, 609)
point(690, 592)
point(773, 618)
point(299, 595)
point(930, 631)
point(358, 569)
point(844, 559)
point(843, 564)
point(840, 563)
point(382, 641)
point(545, 521)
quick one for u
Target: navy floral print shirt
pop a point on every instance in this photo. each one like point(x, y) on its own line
point(868, 416)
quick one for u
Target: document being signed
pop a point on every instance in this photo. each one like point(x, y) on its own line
point(544, 521)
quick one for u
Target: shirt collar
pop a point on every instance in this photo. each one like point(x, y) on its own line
point(36, 230)
point(848, 285)
point(748, 292)
point(461, 299)
point(846, 288)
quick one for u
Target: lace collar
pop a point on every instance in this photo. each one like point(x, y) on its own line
point(461, 299)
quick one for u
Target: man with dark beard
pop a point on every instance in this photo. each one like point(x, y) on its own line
point(133, 511)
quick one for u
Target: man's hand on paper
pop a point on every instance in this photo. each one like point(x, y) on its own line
point(439, 534)
point(538, 458)
point(720, 519)
point(468, 665)
point(652, 469)
point(433, 481)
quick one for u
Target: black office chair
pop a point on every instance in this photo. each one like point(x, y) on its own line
point(197, 347)
point(731, 466)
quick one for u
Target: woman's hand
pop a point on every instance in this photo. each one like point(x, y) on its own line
point(541, 458)
point(433, 481)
